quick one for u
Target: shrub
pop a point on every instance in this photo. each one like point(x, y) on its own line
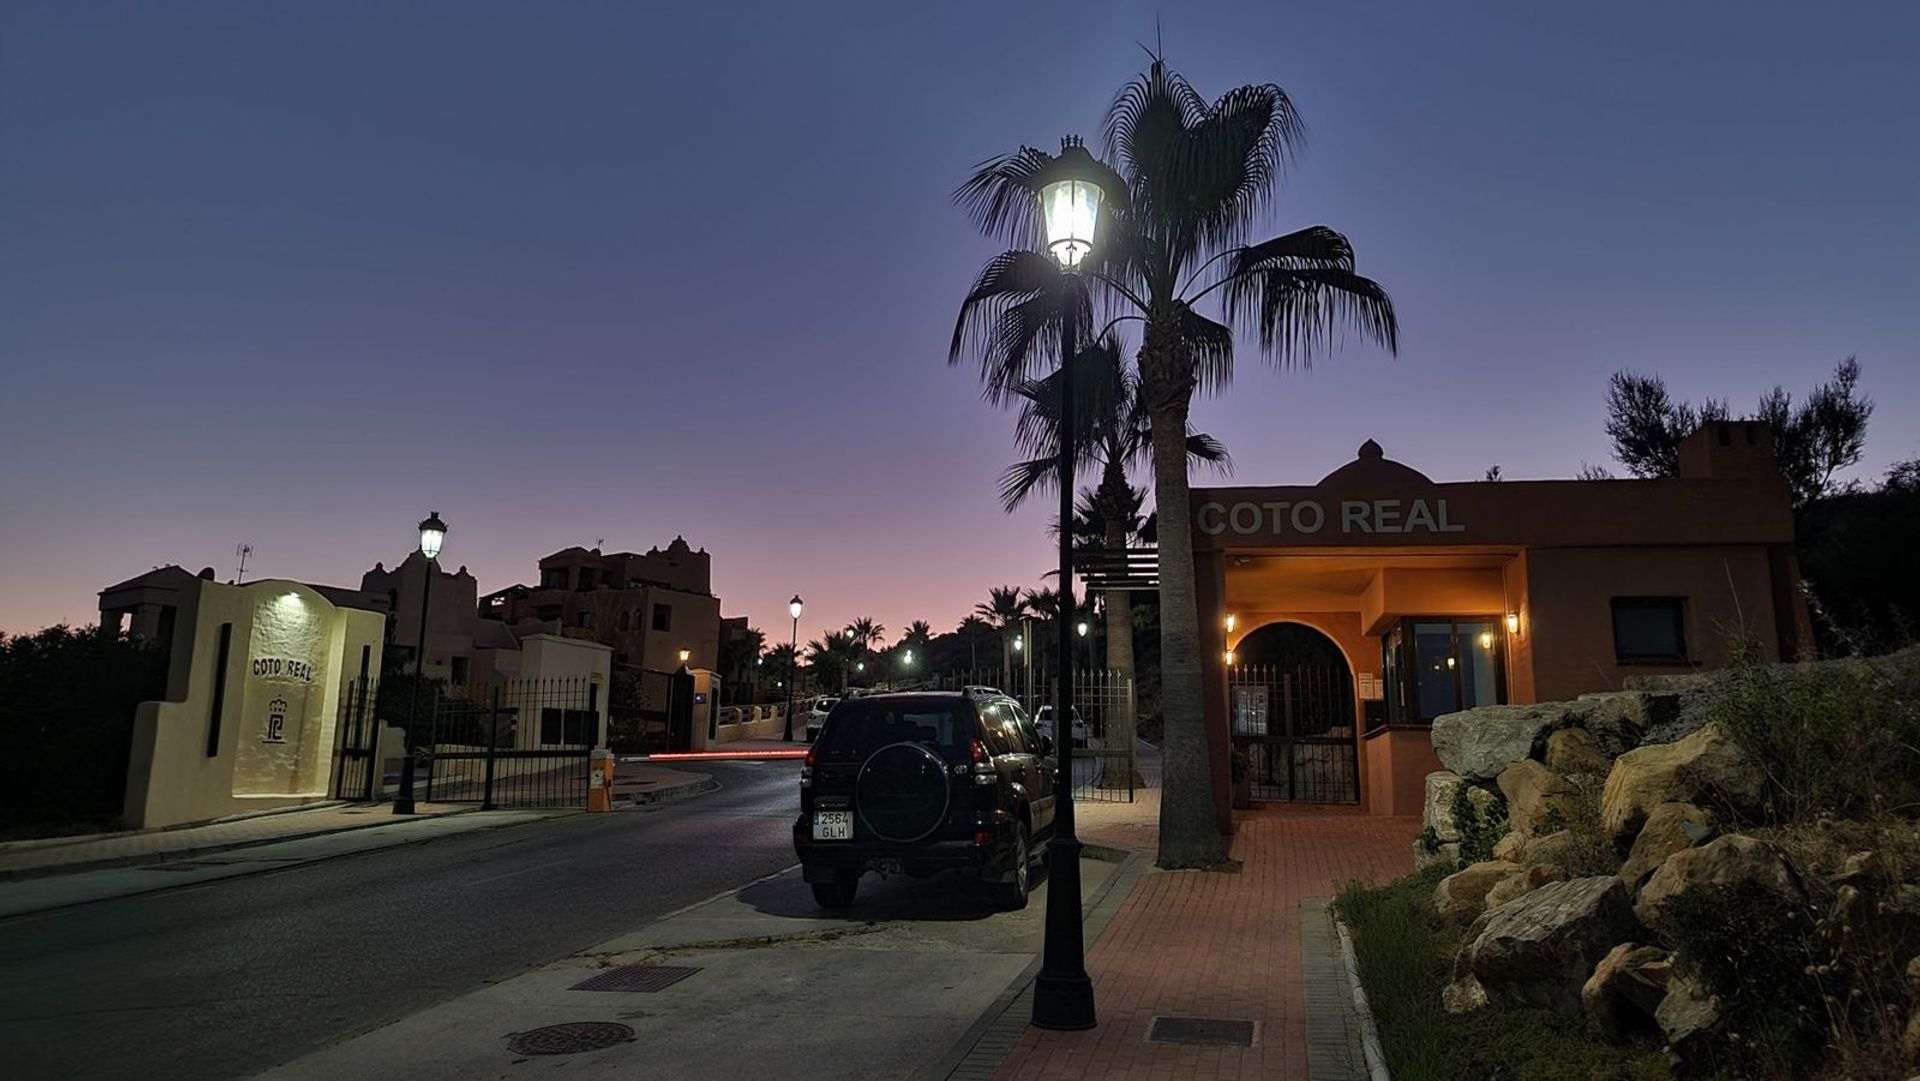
point(1405, 953)
point(67, 699)
point(1839, 738)
point(1479, 831)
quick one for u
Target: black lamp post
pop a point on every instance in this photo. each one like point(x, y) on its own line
point(793, 660)
point(1070, 199)
point(433, 532)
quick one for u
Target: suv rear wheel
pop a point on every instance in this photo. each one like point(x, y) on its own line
point(1013, 893)
point(838, 893)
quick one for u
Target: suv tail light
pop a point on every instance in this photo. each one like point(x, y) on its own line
point(983, 773)
point(806, 769)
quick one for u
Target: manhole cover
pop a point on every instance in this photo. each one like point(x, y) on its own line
point(635, 978)
point(567, 1039)
point(1209, 1031)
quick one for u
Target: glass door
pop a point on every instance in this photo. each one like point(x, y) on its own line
point(1442, 664)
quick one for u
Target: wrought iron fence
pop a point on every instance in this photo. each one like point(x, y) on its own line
point(355, 764)
point(1296, 727)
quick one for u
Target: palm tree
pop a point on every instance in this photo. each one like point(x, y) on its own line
point(831, 656)
point(781, 659)
point(1185, 184)
point(865, 633)
point(1114, 435)
point(1003, 608)
point(919, 633)
point(972, 629)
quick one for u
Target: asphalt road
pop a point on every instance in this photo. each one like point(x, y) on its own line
point(230, 978)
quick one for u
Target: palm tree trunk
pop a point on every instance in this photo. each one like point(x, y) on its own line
point(1189, 832)
point(1124, 726)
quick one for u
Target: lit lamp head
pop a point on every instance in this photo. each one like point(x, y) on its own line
point(1232, 621)
point(1228, 655)
point(684, 654)
point(795, 605)
point(1070, 198)
point(909, 658)
point(1513, 623)
point(1082, 628)
point(1018, 645)
point(433, 533)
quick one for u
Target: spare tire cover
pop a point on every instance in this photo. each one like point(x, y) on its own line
point(902, 793)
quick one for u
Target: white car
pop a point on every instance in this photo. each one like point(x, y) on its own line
point(974, 690)
point(1043, 720)
point(817, 716)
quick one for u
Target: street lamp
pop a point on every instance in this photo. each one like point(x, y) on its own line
point(793, 657)
point(433, 533)
point(1082, 628)
point(684, 654)
point(1070, 197)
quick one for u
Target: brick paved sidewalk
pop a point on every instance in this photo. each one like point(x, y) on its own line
point(1213, 945)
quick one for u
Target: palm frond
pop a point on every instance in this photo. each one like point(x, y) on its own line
point(1023, 479)
point(1016, 304)
point(1204, 448)
point(1301, 311)
point(1235, 157)
point(1210, 348)
point(1001, 198)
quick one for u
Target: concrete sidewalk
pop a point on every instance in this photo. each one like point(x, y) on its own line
point(772, 987)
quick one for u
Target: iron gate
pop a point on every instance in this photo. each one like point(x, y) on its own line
point(353, 770)
point(1295, 725)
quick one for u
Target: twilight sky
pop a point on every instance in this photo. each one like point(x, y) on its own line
point(294, 274)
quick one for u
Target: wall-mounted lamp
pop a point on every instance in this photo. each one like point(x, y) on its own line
point(1228, 655)
point(1513, 623)
point(684, 654)
point(1232, 621)
point(1486, 639)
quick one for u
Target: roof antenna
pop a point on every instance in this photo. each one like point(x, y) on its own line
point(242, 551)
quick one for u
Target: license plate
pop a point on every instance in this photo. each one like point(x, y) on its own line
point(833, 825)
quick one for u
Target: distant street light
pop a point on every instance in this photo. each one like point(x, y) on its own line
point(433, 533)
point(1070, 197)
point(793, 658)
point(684, 654)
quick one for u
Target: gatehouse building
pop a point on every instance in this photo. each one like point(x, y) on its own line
point(1339, 619)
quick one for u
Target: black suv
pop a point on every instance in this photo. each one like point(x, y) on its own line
point(920, 783)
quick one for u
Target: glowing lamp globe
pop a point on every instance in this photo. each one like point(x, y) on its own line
point(433, 533)
point(1070, 203)
point(794, 606)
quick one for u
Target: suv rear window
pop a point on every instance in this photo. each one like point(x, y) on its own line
point(860, 727)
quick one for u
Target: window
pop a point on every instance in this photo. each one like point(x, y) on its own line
point(586, 579)
point(1442, 664)
point(626, 621)
point(569, 727)
point(584, 619)
point(459, 669)
point(662, 617)
point(553, 578)
point(1650, 630)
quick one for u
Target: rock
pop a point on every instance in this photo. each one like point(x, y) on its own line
point(1687, 1015)
point(1447, 852)
point(1478, 743)
point(1865, 871)
point(1539, 950)
point(1438, 813)
point(1522, 882)
point(1463, 995)
point(1575, 750)
point(1462, 895)
point(1727, 863)
point(1535, 794)
point(1560, 848)
point(1706, 768)
point(1626, 988)
point(1664, 834)
point(1512, 847)
point(1618, 719)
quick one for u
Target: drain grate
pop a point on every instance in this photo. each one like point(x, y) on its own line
point(568, 1039)
point(1206, 1031)
point(644, 978)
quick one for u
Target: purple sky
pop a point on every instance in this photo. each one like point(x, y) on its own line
point(294, 274)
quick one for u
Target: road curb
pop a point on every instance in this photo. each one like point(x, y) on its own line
point(673, 793)
point(151, 858)
point(985, 1045)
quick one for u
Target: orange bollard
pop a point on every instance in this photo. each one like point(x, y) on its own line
point(600, 782)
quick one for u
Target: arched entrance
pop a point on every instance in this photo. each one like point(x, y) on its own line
point(1290, 705)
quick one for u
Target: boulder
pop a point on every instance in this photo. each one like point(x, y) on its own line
point(1575, 750)
point(1447, 852)
point(1535, 794)
point(1730, 862)
point(1512, 847)
point(1538, 951)
point(1463, 894)
point(1687, 1016)
point(1478, 743)
point(1626, 988)
point(1666, 832)
point(1706, 768)
point(1560, 848)
point(1522, 882)
point(1438, 812)
point(1617, 719)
